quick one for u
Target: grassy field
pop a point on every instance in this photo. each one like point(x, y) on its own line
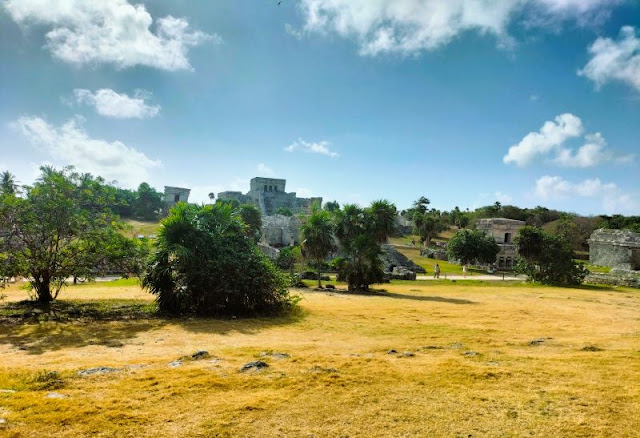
point(483, 360)
point(136, 228)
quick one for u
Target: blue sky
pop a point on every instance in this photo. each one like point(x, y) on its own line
point(468, 102)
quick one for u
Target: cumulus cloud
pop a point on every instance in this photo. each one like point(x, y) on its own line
point(108, 103)
point(320, 147)
point(551, 139)
point(613, 199)
point(552, 135)
point(263, 169)
point(613, 60)
point(412, 26)
point(70, 144)
point(113, 32)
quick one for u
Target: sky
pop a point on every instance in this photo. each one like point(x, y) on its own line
point(466, 102)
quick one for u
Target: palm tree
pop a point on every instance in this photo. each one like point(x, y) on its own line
point(8, 185)
point(383, 214)
point(317, 238)
point(211, 196)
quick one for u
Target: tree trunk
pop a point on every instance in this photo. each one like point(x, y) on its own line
point(319, 278)
point(42, 285)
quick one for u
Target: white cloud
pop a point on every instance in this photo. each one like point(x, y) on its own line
point(200, 194)
point(320, 147)
point(551, 139)
point(552, 135)
point(70, 144)
point(615, 60)
point(503, 198)
point(412, 26)
point(108, 103)
point(263, 169)
point(612, 198)
point(113, 31)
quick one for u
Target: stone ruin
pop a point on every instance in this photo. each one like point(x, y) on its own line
point(173, 195)
point(268, 194)
point(397, 266)
point(618, 249)
point(503, 231)
point(279, 231)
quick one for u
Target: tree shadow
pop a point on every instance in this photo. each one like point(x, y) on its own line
point(110, 323)
point(53, 336)
point(385, 294)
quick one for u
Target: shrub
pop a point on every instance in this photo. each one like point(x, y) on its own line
point(205, 264)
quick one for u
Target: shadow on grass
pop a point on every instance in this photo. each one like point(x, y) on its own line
point(109, 323)
point(398, 296)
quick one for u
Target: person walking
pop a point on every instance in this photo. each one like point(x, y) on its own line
point(436, 271)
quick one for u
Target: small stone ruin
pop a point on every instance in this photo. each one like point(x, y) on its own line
point(618, 249)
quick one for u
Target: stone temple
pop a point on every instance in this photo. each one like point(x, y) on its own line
point(268, 194)
point(503, 231)
point(173, 195)
point(619, 249)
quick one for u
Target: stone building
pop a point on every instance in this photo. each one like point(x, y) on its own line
point(619, 249)
point(503, 231)
point(173, 195)
point(279, 231)
point(268, 194)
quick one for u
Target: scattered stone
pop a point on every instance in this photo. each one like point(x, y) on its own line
point(7, 391)
point(431, 347)
point(392, 351)
point(536, 342)
point(175, 364)
point(56, 395)
point(2, 421)
point(275, 355)
point(201, 354)
point(97, 370)
point(329, 286)
point(457, 345)
point(592, 348)
point(254, 366)
point(470, 353)
point(407, 354)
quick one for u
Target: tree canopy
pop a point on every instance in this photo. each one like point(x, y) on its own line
point(469, 246)
point(546, 258)
point(317, 238)
point(360, 231)
point(62, 228)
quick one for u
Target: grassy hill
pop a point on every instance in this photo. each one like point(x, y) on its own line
point(136, 228)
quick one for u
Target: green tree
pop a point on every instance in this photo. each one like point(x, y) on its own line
point(469, 246)
point(204, 264)
point(8, 185)
point(547, 259)
point(360, 232)
point(284, 211)
point(332, 206)
point(252, 217)
point(317, 238)
point(149, 203)
point(64, 227)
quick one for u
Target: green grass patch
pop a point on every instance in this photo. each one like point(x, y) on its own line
point(33, 312)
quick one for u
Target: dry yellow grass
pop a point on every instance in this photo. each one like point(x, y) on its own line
point(339, 380)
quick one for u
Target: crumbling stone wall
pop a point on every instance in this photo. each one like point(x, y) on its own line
point(619, 249)
point(279, 231)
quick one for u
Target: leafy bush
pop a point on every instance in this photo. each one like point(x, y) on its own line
point(205, 264)
point(547, 259)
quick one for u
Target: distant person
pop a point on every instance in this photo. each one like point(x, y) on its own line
point(464, 271)
point(436, 271)
point(413, 242)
